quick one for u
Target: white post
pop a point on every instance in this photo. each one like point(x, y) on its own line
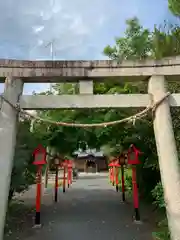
point(86, 87)
point(167, 153)
point(8, 129)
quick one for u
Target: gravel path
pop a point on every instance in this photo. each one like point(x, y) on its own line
point(89, 210)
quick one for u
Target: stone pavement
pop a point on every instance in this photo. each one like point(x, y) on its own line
point(89, 210)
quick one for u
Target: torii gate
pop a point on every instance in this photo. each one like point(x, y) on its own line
point(14, 73)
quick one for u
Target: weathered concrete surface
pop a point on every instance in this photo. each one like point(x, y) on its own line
point(167, 149)
point(8, 131)
point(83, 101)
point(90, 209)
point(86, 87)
point(56, 71)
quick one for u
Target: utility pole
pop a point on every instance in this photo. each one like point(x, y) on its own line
point(51, 45)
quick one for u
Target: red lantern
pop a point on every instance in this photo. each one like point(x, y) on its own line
point(121, 159)
point(111, 164)
point(57, 161)
point(117, 165)
point(133, 159)
point(114, 171)
point(39, 160)
point(133, 155)
point(39, 155)
point(69, 167)
point(114, 163)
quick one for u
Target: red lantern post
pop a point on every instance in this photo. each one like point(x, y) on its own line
point(133, 159)
point(122, 163)
point(64, 176)
point(114, 172)
point(39, 160)
point(123, 183)
point(57, 163)
point(68, 174)
point(71, 173)
point(110, 174)
point(69, 167)
point(111, 165)
point(117, 165)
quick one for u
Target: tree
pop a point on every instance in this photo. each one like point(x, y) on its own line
point(23, 172)
point(139, 43)
point(174, 6)
point(136, 44)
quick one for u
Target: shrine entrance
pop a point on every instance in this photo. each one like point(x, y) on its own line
point(90, 166)
point(13, 104)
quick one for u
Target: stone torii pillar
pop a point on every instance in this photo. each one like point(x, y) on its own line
point(8, 130)
point(167, 153)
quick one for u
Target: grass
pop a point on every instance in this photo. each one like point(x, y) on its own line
point(16, 216)
point(127, 179)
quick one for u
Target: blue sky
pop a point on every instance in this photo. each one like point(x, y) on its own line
point(80, 28)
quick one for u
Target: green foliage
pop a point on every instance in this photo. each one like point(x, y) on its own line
point(158, 195)
point(163, 233)
point(23, 172)
point(127, 180)
point(174, 6)
point(138, 43)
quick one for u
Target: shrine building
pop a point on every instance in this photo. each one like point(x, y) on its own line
point(90, 160)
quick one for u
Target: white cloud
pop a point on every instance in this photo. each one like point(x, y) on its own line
point(23, 24)
point(40, 42)
point(80, 28)
point(37, 29)
point(102, 20)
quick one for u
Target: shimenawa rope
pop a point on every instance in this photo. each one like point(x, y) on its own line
point(151, 107)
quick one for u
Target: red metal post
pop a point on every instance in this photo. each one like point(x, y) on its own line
point(64, 179)
point(110, 174)
point(70, 172)
point(56, 184)
point(113, 173)
point(135, 194)
point(71, 176)
point(38, 195)
point(117, 178)
point(68, 176)
point(122, 180)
